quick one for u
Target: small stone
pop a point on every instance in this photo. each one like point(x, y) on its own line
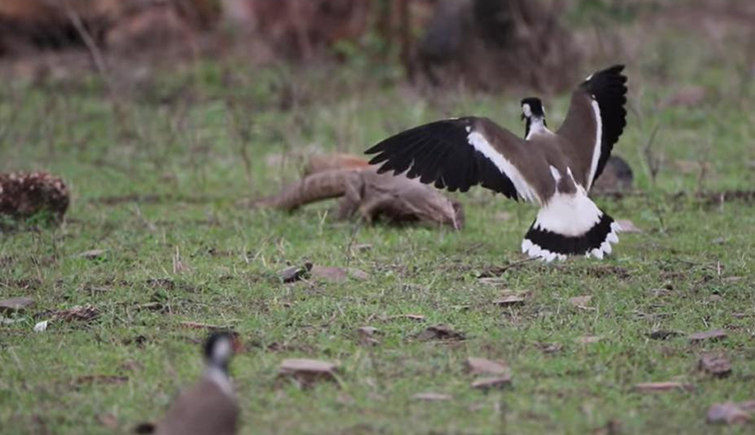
point(492, 382)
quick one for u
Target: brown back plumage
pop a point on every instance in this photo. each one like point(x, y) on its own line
point(204, 409)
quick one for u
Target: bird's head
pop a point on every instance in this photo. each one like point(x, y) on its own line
point(532, 108)
point(218, 350)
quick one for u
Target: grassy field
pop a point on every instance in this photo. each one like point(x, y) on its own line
point(164, 176)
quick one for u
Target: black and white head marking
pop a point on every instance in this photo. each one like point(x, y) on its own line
point(218, 350)
point(533, 113)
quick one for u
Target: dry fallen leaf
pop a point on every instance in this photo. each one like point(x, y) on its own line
point(657, 387)
point(628, 226)
point(308, 371)
point(727, 413)
point(550, 348)
point(589, 339)
point(98, 379)
point(713, 335)
point(440, 332)
point(92, 254)
point(294, 273)
point(367, 335)
point(580, 301)
point(415, 317)
point(509, 301)
point(431, 397)
point(479, 366)
point(15, 304)
point(492, 382)
point(715, 365)
point(664, 334)
point(368, 331)
point(493, 280)
point(83, 313)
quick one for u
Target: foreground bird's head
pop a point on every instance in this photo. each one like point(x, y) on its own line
point(218, 350)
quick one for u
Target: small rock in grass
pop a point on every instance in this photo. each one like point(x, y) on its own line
point(492, 382)
point(727, 413)
point(715, 365)
point(479, 366)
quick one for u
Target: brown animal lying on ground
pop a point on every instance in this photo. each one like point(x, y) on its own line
point(365, 192)
point(23, 195)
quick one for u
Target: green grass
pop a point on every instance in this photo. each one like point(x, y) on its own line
point(175, 145)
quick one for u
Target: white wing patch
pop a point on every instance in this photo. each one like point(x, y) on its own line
point(598, 141)
point(523, 188)
point(556, 175)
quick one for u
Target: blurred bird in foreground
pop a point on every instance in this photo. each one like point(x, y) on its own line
point(209, 407)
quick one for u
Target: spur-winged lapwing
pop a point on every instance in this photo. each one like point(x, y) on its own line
point(209, 407)
point(553, 169)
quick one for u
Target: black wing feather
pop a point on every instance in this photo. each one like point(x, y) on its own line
point(439, 153)
point(608, 88)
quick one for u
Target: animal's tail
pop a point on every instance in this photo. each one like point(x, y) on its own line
point(570, 225)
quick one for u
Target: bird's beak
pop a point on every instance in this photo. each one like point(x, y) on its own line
point(523, 117)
